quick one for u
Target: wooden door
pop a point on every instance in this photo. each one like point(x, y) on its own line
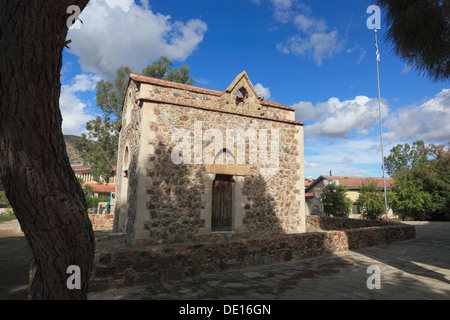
point(221, 219)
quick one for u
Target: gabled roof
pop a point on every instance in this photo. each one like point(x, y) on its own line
point(353, 182)
point(175, 85)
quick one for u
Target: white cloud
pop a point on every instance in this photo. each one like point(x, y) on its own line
point(282, 9)
point(73, 110)
point(363, 132)
point(347, 160)
point(353, 157)
point(264, 92)
point(406, 68)
point(338, 134)
point(311, 165)
point(429, 121)
point(362, 51)
point(122, 4)
point(338, 119)
point(119, 33)
point(313, 40)
point(319, 45)
point(361, 151)
point(310, 25)
point(83, 82)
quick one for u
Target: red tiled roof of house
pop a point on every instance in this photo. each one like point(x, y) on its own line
point(77, 168)
point(102, 188)
point(356, 182)
point(86, 167)
point(308, 182)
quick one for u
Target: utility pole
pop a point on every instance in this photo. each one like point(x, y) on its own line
point(381, 126)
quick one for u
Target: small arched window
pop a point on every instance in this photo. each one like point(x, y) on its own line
point(241, 95)
point(126, 160)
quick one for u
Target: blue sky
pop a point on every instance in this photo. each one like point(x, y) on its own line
point(316, 56)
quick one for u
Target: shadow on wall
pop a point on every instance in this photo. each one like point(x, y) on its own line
point(261, 217)
point(175, 202)
point(131, 199)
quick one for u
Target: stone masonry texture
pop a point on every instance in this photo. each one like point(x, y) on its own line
point(140, 265)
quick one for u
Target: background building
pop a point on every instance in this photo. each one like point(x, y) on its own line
point(353, 185)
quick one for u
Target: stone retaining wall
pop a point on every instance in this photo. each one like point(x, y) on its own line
point(143, 265)
point(102, 221)
point(336, 223)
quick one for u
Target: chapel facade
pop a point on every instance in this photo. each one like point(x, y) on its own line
point(196, 164)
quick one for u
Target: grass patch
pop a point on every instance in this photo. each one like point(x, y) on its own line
point(7, 217)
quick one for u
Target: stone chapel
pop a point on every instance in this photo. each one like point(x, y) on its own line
point(196, 164)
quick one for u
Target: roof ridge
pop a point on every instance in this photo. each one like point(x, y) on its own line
point(183, 86)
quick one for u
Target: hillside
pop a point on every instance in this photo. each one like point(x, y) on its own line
point(74, 155)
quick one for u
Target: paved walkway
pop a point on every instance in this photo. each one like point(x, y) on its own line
point(410, 270)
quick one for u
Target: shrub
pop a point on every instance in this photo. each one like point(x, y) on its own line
point(334, 200)
point(371, 199)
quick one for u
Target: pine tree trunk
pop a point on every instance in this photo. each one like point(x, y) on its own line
point(34, 166)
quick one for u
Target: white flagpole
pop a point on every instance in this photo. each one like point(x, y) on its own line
point(381, 127)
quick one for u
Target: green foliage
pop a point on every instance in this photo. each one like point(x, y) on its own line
point(405, 157)
point(371, 199)
point(98, 147)
point(420, 32)
point(110, 94)
point(4, 203)
point(162, 69)
point(410, 199)
point(87, 190)
point(334, 200)
point(92, 202)
point(422, 181)
point(7, 217)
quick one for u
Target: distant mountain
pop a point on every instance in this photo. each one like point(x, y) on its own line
point(74, 155)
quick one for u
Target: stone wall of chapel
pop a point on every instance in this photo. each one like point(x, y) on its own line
point(175, 193)
point(210, 99)
point(125, 208)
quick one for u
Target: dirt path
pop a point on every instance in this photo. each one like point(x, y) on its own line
point(15, 259)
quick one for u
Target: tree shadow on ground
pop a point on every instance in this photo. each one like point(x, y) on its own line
point(419, 257)
point(15, 259)
point(430, 249)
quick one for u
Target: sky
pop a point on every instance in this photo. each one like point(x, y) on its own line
point(316, 56)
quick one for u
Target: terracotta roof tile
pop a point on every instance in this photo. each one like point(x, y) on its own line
point(102, 188)
point(170, 84)
point(356, 182)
